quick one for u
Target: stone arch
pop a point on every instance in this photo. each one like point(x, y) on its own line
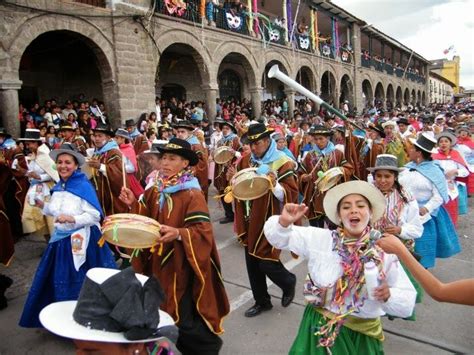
point(272, 87)
point(198, 51)
point(418, 98)
point(274, 57)
point(423, 98)
point(379, 95)
point(413, 97)
point(399, 96)
point(367, 93)
point(406, 96)
point(347, 90)
point(239, 64)
point(248, 59)
point(390, 97)
point(306, 77)
point(91, 34)
point(329, 87)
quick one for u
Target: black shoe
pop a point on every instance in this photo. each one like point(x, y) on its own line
point(226, 220)
point(256, 309)
point(288, 295)
point(5, 282)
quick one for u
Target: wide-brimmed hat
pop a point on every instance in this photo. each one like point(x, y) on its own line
point(68, 148)
point(403, 120)
point(180, 147)
point(446, 134)
point(114, 307)
point(386, 162)
point(424, 142)
point(66, 127)
point(320, 130)
point(120, 132)
point(337, 193)
point(184, 124)
point(226, 123)
point(256, 132)
point(459, 129)
point(31, 135)
point(3, 132)
point(154, 146)
point(130, 123)
point(377, 128)
point(389, 123)
point(103, 128)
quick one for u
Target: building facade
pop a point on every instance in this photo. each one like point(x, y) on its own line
point(127, 52)
point(441, 89)
point(448, 69)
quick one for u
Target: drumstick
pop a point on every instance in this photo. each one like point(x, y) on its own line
point(316, 165)
point(123, 172)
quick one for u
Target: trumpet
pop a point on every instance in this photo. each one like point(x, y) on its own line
point(275, 72)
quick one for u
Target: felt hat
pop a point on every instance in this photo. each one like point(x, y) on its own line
point(256, 132)
point(448, 135)
point(425, 142)
point(68, 148)
point(389, 123)
point(154, 146)
point(386, 162)
point(277, 136)
point(130, 123)
point(226, 123)
point(66, 127)
point(180, 147)
point(184, 124)
point(114, 307)
point(103, 128)
point(3, 132)
point(459, 129)
point(403, 120)
point(319, 130)
point(377, 128)
point(120, 132)
point(31, 135)
point(370, 192)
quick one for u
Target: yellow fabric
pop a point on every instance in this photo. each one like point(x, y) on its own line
point(370, 327)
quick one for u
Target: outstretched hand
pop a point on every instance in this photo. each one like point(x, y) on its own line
point(391, 244)
point(291, 213)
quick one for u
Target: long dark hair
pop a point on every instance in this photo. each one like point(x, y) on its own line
point(426, 155)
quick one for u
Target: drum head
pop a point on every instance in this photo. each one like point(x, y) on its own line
point(329, 179)
point(131, 231)
point(247, 185)
point(223, 155)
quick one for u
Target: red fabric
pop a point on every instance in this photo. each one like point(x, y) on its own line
point(452, 208)
point(135, 185)
point(466, 141)
point(129, 152)
point(469, 181)
point(452, 155)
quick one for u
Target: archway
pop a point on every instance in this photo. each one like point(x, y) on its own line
point(406, 97)
point(328, 88)
point(305, 77)
point(423, 99)
point(347, 90)
point(178, 68)
point(273, 88)
point(418, 98)
point(64, 65)
point(235, 76)
point(399, 97)
point(367, 93)
point(390, 97)
point(413, 97)
point(168, 91)
point(230, 87)
point(379, 96)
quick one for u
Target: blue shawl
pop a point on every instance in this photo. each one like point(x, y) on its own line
point(330, 147)
point(106, 147)
point(8, 143)
point(193, 140)
point(188, 185)
point(288, 152)
point(229, 137)
point(433, 172)
point(135, 133)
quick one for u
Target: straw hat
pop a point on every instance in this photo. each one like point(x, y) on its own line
point(337, 193)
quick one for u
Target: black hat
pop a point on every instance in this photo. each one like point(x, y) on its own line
point(180, 147)
point(320, 130)
point(31, 135)
point(304, 123)
point(184, 124)
point(68, 148)
point(66, 127)
point(130, 122)
point(256, 132)
point(120, 132)
point(155, 145)
point(403, 120)
point(3, 132)
point(226, 123)
point(424, 142)
point(377, 128)
point(103, 128)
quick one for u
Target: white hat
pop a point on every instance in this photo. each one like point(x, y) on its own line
point(58, 317)
point(389, 123)
point(337, 193)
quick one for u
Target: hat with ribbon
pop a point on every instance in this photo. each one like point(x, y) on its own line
point(184, 124)
point(155, 145)
point(377, 128)
point(424, 142)
point(320, 130)
point(120, 132)
point(256, 132)
point(226, 123)
point(31, 135)
point(103, 128)
point(180, 147)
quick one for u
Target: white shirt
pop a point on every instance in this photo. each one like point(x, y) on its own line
point(63, 202)
point(410, 221)
point(324, 266)
point(422, 189)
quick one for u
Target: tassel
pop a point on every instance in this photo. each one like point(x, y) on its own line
point(101, 241)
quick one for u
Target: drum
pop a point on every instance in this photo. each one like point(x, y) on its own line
point(131, 231)
point(329, 179)
point(223, 154)
point(247, 185)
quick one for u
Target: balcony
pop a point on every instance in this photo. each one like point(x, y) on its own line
point(98, 3)
point(365, 61)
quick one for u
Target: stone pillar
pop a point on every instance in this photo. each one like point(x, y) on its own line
point(357, 84)
point(256, 98)
point(9, 106)
point(290, 96)
point(210, 92)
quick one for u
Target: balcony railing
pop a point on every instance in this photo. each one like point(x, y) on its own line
point(190, 10)
point(98, 3)
point(378, 65)
point(365, 61)
point(389, 69)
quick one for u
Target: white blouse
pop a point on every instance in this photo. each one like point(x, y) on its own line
point(422, 189)
point(410, 221)
point(324, 266)
point(33, 166)
point(63, 202)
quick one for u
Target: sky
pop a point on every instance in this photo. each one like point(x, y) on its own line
point(426, 26)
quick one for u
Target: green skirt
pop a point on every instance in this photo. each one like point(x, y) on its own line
point(347, 342)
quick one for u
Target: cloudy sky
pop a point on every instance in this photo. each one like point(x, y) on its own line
point(426, 26)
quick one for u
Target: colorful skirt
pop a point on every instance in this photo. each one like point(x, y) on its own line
point(56, 278)
point(452, 209)
point(439, 239)
point(347, 342)
point(463, 206)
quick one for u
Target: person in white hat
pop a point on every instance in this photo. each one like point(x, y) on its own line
point(338, 288)
point(393, 144)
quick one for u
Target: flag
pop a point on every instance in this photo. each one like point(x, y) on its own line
point(446, 51)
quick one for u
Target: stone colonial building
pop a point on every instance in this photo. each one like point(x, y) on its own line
point(441, 89)
point(126, 52)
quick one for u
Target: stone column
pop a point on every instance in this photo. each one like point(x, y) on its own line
point(357, 83)
point(9, 106)
point(256, 98)
point(290, 96)
point(210, 92)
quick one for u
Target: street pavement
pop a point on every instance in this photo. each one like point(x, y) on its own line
point(439, 328)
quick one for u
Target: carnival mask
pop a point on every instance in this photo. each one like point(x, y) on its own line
point(233, 22)
point(274, 35)
point(304, 42)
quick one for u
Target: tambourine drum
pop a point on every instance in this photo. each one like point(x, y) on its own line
point(329, 179)
point(247, 185)
point(131, 231)
point(223, 155)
